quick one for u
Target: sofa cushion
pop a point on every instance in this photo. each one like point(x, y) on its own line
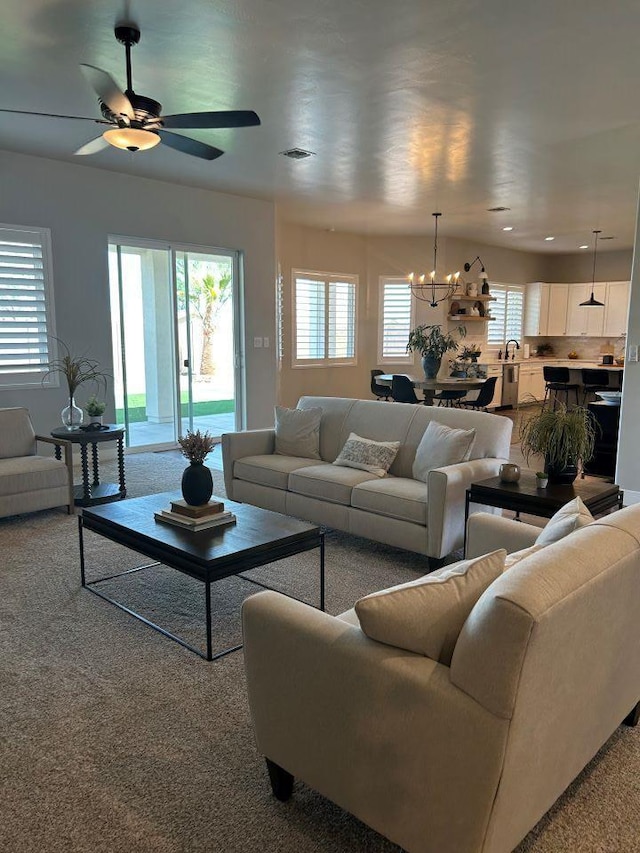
point(516, 556)
point(30, 474)
point(568, 518)
point(427, 615)
point(441, 446)
point(367, 455)
point(269, 470)
point(298, 432)
point(327, 482)
point(395, 497)
point(18, 437)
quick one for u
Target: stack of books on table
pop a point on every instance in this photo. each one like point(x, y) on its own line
point(212, 514)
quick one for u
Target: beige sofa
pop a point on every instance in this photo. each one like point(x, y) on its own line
point(426, 517)
point(29, 481)
point(466, 758)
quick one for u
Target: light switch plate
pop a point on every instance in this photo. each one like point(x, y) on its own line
point(265, 342)
point(257, 343)
point(633, 352)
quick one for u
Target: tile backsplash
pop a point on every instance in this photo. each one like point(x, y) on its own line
point(590, 349)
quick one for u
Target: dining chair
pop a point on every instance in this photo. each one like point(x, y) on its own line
point(485, 395)
point(449, 398)
point(402, 390)
point(381, 392)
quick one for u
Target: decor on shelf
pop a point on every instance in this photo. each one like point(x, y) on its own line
point(76, 370)
point(426, 286)
point(483, 275)
point(432, 343)
point(564, 437)
point(197, 482)
point(592, 302)
point(95, 409)
point(542, 479)
point(470, 353)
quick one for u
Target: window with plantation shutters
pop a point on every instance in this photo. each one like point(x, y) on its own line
point(507, 313)
point(25, 305)
point(396, 320)
point(324, 311)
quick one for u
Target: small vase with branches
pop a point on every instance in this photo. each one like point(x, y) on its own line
point(197, 482)
point(76, 370)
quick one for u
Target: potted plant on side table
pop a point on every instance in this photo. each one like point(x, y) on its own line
point(95, 409)
point(432, 343)
point(197, 482)
point(76, 370)
point(564, 437)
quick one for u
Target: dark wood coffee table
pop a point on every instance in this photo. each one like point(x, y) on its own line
point(524, 496)
point(259, 537)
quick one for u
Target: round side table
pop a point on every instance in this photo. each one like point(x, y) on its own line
point(93, 492)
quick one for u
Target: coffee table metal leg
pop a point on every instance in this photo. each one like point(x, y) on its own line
point(207, 595)
point(81, 544)
point(322, 571)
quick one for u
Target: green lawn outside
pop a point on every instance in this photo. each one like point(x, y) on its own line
point(138, 411)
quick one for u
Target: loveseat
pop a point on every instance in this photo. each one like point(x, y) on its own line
point(425, 516)
point(464, 757)
point(30, 481)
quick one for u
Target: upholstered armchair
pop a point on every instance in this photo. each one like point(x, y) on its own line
point(29, 481)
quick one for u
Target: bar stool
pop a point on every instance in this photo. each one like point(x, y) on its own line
point(557, 380)
point(592, 381)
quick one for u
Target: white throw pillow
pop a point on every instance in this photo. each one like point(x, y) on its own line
point(516, 556)
point(368, 455)
point(570, 517)
point(427, 615)
point(298, 432)
point(440, 446)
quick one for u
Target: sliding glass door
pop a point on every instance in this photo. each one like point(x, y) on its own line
point(175, 320)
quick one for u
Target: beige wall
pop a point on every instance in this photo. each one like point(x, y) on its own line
point(370, 257)
point(610, 266)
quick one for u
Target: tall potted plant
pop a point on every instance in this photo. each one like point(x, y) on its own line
point(432, 343)
point(564, 437)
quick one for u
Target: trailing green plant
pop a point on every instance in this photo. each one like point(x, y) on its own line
point(196, 445)
point(562, 436)
point(432, 341)
point(94, 407)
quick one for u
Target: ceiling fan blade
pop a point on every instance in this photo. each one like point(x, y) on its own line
point(223, 118)
point(54, 115)
point(97, 144)
point(189, 146)
point(108, 91)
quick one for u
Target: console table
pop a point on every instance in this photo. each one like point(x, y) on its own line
point(92, 492)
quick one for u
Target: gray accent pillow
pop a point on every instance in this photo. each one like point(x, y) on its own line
point(441, 446)
point(427, 615)
point(298, 432)
point(368, 455)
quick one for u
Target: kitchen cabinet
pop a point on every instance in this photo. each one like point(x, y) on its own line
point(530, 383)
point(583, 320)
point(616, 309)
point(545, 308)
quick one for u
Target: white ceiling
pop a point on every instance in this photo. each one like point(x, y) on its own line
point(410, 106)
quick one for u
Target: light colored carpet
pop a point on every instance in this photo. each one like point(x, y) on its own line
point(114, 738)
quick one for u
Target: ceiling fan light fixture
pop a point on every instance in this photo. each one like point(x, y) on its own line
point(131, 139)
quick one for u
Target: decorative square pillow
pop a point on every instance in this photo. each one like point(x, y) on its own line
point(515, 556)
point(570, 517)
point(440, 446)
point(427, 615)
point(298, 432)
point(368, 455)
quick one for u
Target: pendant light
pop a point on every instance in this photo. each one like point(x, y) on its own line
point(425, 287)
point(592, 302)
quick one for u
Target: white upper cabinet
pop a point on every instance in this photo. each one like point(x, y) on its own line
point(616, 308)
point(584, 320)
point(545, 308)
point(558, 307)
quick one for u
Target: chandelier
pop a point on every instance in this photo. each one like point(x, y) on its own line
point(425, 287)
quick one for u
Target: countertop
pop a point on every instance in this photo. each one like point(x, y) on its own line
point(575, 363)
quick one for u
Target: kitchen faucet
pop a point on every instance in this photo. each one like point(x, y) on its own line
point(506, 349)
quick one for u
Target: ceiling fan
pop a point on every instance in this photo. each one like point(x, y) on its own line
point(136, 122)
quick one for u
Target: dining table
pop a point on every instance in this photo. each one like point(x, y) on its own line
point(430, 386)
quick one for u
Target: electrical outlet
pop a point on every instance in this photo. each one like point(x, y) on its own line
point(633, 352)
point(257, 343)
point(265, 342)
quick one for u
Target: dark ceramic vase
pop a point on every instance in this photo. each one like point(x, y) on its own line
point(431, 366)
point(561, 476)
point(197, 484)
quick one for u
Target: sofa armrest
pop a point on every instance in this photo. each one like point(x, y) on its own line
point(447, 489)
point(487, 532)
point(236, 445)
point(378, 730)
point(67, 447)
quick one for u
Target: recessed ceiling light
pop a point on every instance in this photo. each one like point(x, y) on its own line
point(549, 238)
point(583, 247)
point(508, 228)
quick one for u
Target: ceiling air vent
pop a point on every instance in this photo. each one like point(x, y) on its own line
point(497, 209)
point(607, 238)
point(297, 153)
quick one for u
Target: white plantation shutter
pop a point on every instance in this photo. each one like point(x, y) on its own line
point(507, 312)
point(396, 320)
point(324, 319)
point(25, 305)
